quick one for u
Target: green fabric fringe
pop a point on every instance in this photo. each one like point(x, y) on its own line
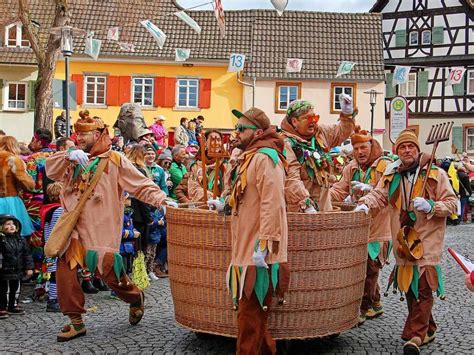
point(374, 250)
point(91, 260)
point(262, 283)
point(415, 281)
point(394, 185)
point(440, 291)
point(118, 266)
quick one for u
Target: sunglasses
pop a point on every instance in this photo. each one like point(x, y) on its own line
point(242, 127)
point(310, 119)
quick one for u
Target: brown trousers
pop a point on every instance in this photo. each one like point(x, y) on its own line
point(253, 335)
point(420, 319)
point(371, 286)
point(70, 295)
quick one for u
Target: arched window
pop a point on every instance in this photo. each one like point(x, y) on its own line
point(15, 36)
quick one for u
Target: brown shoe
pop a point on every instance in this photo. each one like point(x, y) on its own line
point(137, 310)
point(429, 337)
point(160, 274)
point(412, 346)
point(4, 314)
point(70, 332)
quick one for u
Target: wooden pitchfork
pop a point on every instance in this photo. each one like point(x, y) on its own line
point(440, 132)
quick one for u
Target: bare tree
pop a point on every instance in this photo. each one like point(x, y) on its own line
point(46, 50)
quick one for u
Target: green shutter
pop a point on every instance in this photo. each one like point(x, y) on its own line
point(458, 89)
point(457, 139)
point(437, 35)
point(1, 94)
point(400, 38)
point(422, 83)
point(31, 95)
point(390, 90)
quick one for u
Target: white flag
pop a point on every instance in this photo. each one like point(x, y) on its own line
point(219, 12)
point(293, 65)
point(92, 48)
point(113, 34)
point(182, 54)
point(400, 75)
point(189, 21)
point(280, 6)
point(157, 34)
point(455, 75)
point(344, 68)
point(127, 47)
point(236, 62)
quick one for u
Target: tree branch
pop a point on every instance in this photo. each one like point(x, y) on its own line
point(35, 42)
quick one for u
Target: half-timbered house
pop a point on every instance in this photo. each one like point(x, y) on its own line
point(432, 37)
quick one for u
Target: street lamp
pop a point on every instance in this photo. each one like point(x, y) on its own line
point(372, 100)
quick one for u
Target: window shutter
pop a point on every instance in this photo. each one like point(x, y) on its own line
point(205, 93)
point(437, 35)
point(112, 91)
point(458, 89)
point(390, 91)
point(79, 80)
point(422, 84)
point(1, 93)
point(458, 138)
point(31, 95)
point(400, 38)
point(165, 92)
point(125, 86)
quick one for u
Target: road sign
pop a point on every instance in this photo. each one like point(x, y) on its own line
point(398, 117)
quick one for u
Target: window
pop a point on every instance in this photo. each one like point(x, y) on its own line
point(187, 93)
point(95, 90)
point(469, 138)
point(426, 37)
point(15, 96)
point(143, 91)
point(339, 88)
point(408, 89)
point(470, 82)
point(15, 36)
point(285, 93)
point(413, 38)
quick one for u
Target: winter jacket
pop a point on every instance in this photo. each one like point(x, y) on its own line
point(465, 185)
point(16, 257)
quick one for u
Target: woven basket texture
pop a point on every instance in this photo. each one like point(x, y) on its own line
point(327, 253)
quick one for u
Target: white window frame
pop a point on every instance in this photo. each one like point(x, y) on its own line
point(335, 97)
point(470, 76)
point(404, 89)
point(95, 83)
point(6, 94)
point(187, 86)
point(288, 101)
point(423, 38)
point(143, 85)
point(19, 36)
point(466, 135)
point(410, 35)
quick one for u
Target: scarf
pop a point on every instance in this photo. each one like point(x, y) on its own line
point(102, 145)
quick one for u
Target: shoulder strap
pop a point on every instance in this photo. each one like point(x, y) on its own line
point(95, 179)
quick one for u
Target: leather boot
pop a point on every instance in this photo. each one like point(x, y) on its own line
point(100, 285)
point(88, 287)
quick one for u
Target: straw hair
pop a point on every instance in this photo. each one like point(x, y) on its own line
point(9, 144)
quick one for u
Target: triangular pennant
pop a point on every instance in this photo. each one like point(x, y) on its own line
point(113, 34)
point(126, 47)
point(345, 68)
point(92, 48)
point(189, 21)
point(157, 34)
point(219, 12)
point(293, 65)
point(181, 54)
point(400, 75)
point(280, 6)
point(455, 75)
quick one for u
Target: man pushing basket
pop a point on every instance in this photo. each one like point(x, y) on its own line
point(259, 230)
point(418, 239)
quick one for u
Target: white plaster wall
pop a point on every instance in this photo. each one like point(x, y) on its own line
point(17, 124)
point(319, 93)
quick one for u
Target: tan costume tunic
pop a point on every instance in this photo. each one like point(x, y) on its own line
point(299, 186)
point(100, 225)
point(430, 227)
point(380, 228)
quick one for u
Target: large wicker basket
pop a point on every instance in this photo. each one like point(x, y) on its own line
point(327, 257)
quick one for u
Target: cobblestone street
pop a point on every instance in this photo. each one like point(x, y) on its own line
point(109, 331)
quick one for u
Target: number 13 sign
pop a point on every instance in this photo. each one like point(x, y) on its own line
point(455, 75)
point(236, 62)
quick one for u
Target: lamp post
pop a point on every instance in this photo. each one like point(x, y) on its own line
point(67, 50)
point(372, 100)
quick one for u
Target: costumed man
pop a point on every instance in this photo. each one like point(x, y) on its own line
point(39, 146)
point(359, 177)
point(259, 230)
point(418, 238)
point(307, 144)
point(95, 240)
